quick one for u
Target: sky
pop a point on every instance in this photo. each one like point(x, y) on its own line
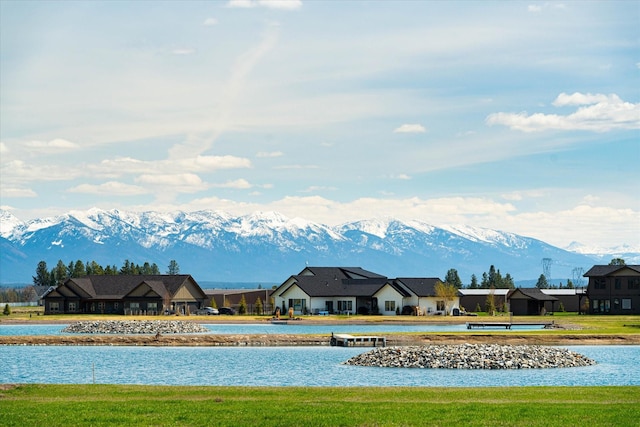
point(517, 116)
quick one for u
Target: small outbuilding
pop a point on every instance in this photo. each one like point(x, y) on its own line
point(529, 301)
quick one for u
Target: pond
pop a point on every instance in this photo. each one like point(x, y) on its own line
point(285, 366)
point(268, 328)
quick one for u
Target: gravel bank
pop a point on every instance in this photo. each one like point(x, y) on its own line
point(471, 356)
point(128, 327)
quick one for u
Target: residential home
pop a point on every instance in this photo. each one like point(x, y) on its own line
point(529, 302)
point(351, 290)
point(126, 294)
point(472, 298)
point(614, 289)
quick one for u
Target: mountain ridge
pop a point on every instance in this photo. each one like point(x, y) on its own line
point(268, 246)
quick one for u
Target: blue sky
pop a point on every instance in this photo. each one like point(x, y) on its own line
point(518, 116)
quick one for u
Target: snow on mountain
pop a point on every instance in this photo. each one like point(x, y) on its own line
point(268, 246)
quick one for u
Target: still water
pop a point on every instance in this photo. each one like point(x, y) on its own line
point(284, 366)
point(268, 328)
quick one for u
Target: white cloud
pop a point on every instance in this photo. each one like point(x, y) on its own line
point(270, 4)
point(534, 8)
point(410, 128)
point(578, 98)
point(111, 188)
point(402, 176)
point(210, 22)
point(264, 154)
point(54, 144)
point(3, 148)
point(239, 184)
point(599, 113)
point(17, 192)
point(172, 180)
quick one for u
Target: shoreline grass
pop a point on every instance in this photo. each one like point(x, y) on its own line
point(104, 405)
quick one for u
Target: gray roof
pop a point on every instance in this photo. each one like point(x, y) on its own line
point(420, 286)
point(531, 293)
point(340, 281)
point(606, 270)
point(117, 286)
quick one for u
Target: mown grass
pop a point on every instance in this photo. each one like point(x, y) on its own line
point(105, 405)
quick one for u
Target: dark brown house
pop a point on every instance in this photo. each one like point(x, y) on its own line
point(614, 289)
point(126, 294)
point(529, 301)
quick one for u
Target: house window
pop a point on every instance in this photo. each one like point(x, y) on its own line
point(72, 306)
point(600, 283)
point(134, 305)
point(297, 304)
point(633, 283)
point(116, 305)
point(618, 283)
point(101, 307)
point(54, 307)
point(389, 306)
point(626, 303)
point(440, 305)
point(601, 306)
point(152, 306)
point(345, 305)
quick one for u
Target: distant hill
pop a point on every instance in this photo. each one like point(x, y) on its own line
point(267, 247)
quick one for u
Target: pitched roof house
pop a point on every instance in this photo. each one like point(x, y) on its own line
point(529, 301)
point(126, 294)
point(614, 289)
point(352, 290)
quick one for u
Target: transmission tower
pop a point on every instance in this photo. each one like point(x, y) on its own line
point(577, 276)
point(546, 267)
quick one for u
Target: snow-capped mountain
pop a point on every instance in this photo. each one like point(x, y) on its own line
point(268, 247)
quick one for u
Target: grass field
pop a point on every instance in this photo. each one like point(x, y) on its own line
point(106, 405)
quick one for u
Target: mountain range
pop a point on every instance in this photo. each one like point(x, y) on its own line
point(267, 247)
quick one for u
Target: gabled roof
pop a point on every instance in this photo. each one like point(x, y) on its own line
point(607, 270)
point(341, 272)
point(420, 286)
point(118, 286)
point(337, 282)
point(531, 293)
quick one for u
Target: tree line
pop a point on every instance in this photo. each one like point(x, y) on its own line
point(62, 271)
point(491, 279)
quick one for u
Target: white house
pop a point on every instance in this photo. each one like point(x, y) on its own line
point(352, 290)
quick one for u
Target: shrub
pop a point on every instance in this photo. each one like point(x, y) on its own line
point(7, 310)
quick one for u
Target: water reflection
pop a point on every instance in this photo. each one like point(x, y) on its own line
point(284, 366)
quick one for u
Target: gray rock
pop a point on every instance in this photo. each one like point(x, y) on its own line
point(471, 356)
point(125, 327)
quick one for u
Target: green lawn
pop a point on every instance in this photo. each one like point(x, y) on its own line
point(102, 405)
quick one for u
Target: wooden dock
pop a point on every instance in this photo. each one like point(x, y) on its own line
point(506, 325)
point(345, 340)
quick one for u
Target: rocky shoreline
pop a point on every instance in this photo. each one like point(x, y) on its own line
point(471, 356)
point(129, 327)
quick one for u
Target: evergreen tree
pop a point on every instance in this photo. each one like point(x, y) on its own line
point(173, 268)
point(542, 282)
point(569, 284)
point(78, 269)
point(617, 261)
point(484, 284)
point(242, 306)
point(508, 282)
point(127, 267)
point(60, 272)
point(42, 277)
point(474, 282)
point(155, 269)
point(452, 278)
point(7, 310)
